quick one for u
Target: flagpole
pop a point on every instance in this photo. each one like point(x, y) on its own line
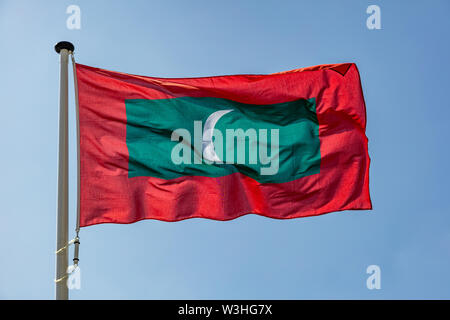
point(62, 292)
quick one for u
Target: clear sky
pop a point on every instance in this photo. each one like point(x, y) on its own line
point(405, 76)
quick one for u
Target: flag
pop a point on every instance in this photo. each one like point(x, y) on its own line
point(284, 145)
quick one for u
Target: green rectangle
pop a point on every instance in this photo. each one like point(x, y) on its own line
point(152, 152)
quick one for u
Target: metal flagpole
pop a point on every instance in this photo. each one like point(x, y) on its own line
point(62, 292)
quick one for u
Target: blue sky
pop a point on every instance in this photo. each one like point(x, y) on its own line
point(404, 69)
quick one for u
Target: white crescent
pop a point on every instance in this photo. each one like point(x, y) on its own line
point(207, 144)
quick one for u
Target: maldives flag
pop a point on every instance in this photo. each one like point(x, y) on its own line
point(284, 145)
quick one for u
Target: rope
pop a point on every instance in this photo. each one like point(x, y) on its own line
point(61, 250)
point(62, 278)
point(66, 275)
point(77, 113)
point(77, 107)
point(66, 246)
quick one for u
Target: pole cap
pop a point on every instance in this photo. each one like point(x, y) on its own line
point(64, 45)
